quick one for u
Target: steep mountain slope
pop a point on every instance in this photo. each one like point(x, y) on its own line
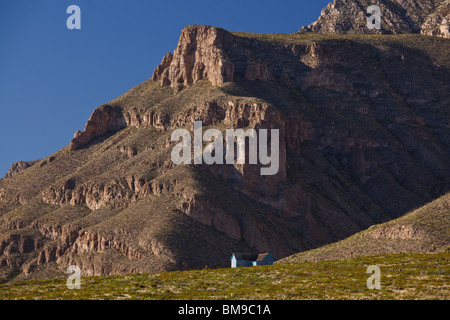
point(426, 229)
point(431, 17)
point(364, 138)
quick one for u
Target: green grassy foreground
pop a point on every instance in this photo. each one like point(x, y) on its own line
point(403, 276)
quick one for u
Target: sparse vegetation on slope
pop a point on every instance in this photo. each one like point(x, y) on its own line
point(426, 229)
point(403, 276)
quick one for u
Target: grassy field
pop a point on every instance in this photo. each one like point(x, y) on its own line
point(403, 276)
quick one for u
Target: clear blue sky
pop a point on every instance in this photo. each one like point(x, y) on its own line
point(52, 78)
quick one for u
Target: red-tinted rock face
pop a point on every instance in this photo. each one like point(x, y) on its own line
point(104, 120)
point(200, 54)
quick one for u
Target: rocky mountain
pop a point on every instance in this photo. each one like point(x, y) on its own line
point(19, 167)
point(426, 229)
point(364, 138)
point(430, 17)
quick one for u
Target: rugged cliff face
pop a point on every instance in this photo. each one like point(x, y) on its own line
point(104, 120)
point(364, 138)
point(429, 17)
point(438, 22)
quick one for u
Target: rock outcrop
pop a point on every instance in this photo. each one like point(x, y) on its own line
point(400, 16)
point(438, 22)
point(104, 120)
point(19, 167)
point(212, 53)
point(200, 54)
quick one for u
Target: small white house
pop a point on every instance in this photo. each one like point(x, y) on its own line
point(248, 260)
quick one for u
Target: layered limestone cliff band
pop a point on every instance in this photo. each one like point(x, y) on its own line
point(364, 136)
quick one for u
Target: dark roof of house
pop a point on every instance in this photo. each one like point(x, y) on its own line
point(261, 256)
point(250, 256)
